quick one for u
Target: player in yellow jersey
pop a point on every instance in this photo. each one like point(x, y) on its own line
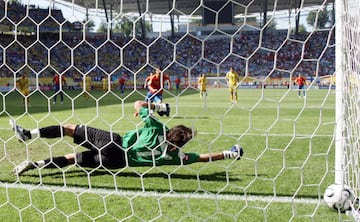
point(232, 78)
point(23, 85)
point(202, 82)
point(87, 86)
point(104, 82)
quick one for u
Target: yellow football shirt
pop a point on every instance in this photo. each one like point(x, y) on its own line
point(233, 78)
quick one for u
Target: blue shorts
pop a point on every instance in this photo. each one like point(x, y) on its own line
point(154, 98)
point(56, 88)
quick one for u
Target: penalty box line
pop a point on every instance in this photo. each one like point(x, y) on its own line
point(106, 192)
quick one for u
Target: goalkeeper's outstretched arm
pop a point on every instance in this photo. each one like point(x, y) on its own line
point(236, 152)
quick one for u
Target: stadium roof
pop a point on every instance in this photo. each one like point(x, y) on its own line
point(187, 7)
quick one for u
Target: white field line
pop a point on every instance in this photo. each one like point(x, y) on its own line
point(107, 192)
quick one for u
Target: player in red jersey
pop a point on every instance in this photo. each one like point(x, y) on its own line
point(177, 84)
point(56, 83)
point(155, 85)
point(300, 81)
point(121, 82)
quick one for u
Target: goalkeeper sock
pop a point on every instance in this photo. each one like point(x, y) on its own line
point(40, 163)
point(34, 133)
point(160, 107)
point(230, 155)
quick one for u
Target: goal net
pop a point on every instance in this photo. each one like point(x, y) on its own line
point(347, 149)
point(104, 51)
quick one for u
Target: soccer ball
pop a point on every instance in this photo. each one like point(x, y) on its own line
point(339, 197)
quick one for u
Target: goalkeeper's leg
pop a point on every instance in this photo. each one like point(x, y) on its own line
point(46, 132)
point(55, 162)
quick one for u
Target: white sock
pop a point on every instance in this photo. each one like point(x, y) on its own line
point(160, 107)
point(40, 163)
point(34, 133)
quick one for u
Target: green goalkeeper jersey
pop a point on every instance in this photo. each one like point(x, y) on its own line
point(147, 146)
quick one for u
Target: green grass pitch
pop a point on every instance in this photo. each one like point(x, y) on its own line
point(289, 153)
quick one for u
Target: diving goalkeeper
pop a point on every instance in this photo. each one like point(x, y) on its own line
point(152, 145)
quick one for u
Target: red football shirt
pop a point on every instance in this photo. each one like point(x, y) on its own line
point(300, 81)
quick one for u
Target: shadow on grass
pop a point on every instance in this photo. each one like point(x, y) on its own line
point(185, 182)
point(213, 180)
point(216, 176)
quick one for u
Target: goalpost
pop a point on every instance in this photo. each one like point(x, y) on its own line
point(295, 146)
point(348, 97)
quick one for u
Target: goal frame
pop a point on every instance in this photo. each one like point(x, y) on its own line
point(340, 104)
point(346, 147)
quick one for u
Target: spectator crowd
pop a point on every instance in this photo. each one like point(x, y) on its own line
point(275, 54)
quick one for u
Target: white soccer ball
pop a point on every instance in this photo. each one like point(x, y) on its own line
point(339, 197)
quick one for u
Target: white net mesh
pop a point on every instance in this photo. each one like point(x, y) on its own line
point(287, 133)
point(351, 96)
